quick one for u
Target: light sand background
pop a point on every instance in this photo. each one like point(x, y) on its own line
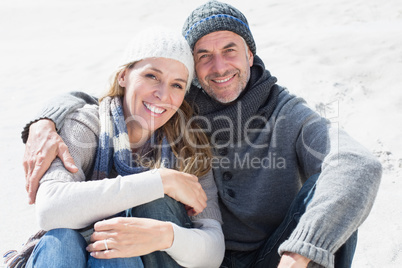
point(344, 57)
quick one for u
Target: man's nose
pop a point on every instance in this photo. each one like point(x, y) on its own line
point(219, 64)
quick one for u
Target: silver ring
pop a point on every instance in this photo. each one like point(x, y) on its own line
point(105, 242)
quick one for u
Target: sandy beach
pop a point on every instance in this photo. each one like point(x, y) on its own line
point(343, 57)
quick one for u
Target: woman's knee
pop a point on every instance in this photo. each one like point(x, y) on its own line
point(164, 209)
point(65, 241)
point(60, 247)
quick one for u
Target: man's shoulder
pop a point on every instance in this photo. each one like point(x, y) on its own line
point(293, 110)
point(88, 110)
point(88, 116)
point(288, 102)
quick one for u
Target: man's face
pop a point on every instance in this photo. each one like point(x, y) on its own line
point(222, 63)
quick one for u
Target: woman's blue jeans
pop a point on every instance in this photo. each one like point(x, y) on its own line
point(267, 255)
point(61, 248)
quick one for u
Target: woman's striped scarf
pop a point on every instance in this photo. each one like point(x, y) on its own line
point(114, 146)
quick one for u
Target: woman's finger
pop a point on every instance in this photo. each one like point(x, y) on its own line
point(111, 225)
point(101, 245)
point(106, 254)
point(98, 236)
point(103, 249)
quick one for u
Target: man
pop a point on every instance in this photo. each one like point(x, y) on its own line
point(288, 182)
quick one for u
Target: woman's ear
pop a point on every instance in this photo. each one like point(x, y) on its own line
point(122, 78)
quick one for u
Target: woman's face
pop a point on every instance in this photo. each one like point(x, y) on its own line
point(154, 91)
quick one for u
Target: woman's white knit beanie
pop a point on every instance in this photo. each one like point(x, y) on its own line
point(160, 42)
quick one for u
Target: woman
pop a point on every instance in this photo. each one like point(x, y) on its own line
point(141, 137)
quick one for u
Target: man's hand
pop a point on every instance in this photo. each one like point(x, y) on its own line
point(42, 147)
point(129, 237)
point(293, 260)
point(184, 188)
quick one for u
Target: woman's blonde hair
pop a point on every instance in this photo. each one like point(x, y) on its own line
point(189, 143)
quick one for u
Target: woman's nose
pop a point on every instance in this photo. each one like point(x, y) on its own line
point(162, 92)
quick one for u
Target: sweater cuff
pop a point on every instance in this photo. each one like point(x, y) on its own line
point(52, 113)
point(25, 130)
point(320, 257)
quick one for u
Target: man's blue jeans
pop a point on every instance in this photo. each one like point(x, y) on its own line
point(267, 255)
point(61, 248)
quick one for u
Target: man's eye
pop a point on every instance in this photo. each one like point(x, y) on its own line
point(204, 56)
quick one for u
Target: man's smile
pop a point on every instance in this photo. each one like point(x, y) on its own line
point(223, 80)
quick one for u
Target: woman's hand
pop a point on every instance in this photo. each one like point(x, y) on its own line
point(184, 188)
point(42, 147)
point(129, 237)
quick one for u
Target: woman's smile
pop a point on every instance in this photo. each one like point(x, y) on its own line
point(154, 109)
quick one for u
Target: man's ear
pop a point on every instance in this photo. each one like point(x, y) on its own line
point(122, 78)
point(250, 58)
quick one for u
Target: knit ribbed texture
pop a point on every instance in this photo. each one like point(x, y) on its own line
point(160, 42)
point(322, 257)
point(216, 16)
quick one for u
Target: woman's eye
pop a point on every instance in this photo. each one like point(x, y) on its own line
point(150, 76)
point(178, 86)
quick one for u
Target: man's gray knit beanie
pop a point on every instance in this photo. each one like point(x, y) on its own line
point(216, 16)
